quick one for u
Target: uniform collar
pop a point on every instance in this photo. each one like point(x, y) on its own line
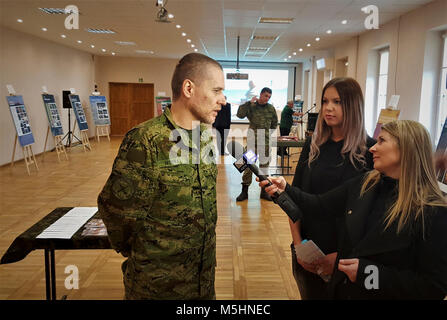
point(184, 133)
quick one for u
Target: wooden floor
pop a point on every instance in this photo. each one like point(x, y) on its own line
point(253, 238)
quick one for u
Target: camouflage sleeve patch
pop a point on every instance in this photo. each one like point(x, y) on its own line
point(129, 192)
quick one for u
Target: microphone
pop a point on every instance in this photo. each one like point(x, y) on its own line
point(248, 160)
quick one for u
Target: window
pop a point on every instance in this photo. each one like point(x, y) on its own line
point(382, 79)
point(442, 109)
point(239, 91)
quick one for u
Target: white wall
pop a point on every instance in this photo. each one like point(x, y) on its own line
point(28, 63)
point(407, 38)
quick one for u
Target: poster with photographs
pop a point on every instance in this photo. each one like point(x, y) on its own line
point(99, 110)
point(78, 111)
point(162, 103)
point(441, 149)
point(20, 119)
point(385, 116)
point(53, 116)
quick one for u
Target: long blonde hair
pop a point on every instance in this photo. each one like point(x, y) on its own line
point(353, 124)
point(418, 186)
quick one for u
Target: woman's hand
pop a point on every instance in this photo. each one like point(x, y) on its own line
point(278, 185)
point(311, 267)
point(349, 267)
point(326, 265)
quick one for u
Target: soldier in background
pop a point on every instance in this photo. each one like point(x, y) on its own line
point(222, 125)
point(160, 212)
point(262, 117)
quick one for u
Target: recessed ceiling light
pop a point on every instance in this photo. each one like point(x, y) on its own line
point(99, 30)
point(329, 31)
point(79, 41)
point(188, 40)
point(53, 10)
point(113, 53)
point(317, 39)
point(193, 46)
point(144, 51)
point(19, 20)
point(266, 38)
point(276, 20)
point(63, 36)
point(178, 26)
point(183, 34)
point(170, 16)
point(44, 29)
point(290, 57)
point(195, 50)
point(126, 43)
point(285, 59)
point(308, 44)
point(294, 53)
point(92, 46)
point(300, 49)
point(103, 50)
point(344, 22)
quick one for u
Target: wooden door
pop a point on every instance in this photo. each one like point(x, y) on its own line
point(130, 104)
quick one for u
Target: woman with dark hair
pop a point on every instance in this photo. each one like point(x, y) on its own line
point(336, 152)
point(391, 222)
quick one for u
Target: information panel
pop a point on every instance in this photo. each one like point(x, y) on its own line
point(20, 119)
point(441, 149)
point(100, 112)
point(53, 116)
point(78, 111)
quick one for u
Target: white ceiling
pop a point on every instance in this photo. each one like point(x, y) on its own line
point(212, 25)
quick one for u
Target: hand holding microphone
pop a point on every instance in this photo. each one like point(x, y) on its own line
point(273, 185)
point(275, 189)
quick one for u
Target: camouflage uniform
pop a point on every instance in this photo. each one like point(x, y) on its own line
point(162, 215)
point(260, 117)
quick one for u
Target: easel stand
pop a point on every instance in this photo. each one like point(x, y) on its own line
point(85, 140)
point(28, 156)
point(60, 148)
point(102, 131)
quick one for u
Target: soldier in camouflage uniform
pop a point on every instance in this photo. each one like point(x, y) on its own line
point(263, 118)
point(159, 203)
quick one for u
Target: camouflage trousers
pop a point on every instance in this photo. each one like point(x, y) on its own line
point(263, 151)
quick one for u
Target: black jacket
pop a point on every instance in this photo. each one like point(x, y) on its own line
point(341, 170)
point(223, 118)
point(409, 267)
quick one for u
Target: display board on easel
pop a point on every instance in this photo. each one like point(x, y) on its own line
point(81, 120)
point(441, 150)
point(23, 130)
point(162, 103)
point(101, 116)
point(386, 115)
point(54, 124)
point(391, 113)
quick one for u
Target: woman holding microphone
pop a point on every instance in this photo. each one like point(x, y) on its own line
point(391, 222)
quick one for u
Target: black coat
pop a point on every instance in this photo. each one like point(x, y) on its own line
point(323, 232)
point(223, 118)
point(409, 267)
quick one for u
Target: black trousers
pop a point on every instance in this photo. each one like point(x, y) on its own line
point(221, 136)
point(283, 132)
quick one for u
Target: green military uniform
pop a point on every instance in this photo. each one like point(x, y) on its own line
point(162, 214)
point(260, 117)
point(286, 118)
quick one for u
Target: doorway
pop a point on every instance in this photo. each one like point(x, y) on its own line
point(130, 104)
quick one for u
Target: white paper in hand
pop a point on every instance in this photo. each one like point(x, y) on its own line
point(308, 252)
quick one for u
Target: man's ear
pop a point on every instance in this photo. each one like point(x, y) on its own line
point(188, 88)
